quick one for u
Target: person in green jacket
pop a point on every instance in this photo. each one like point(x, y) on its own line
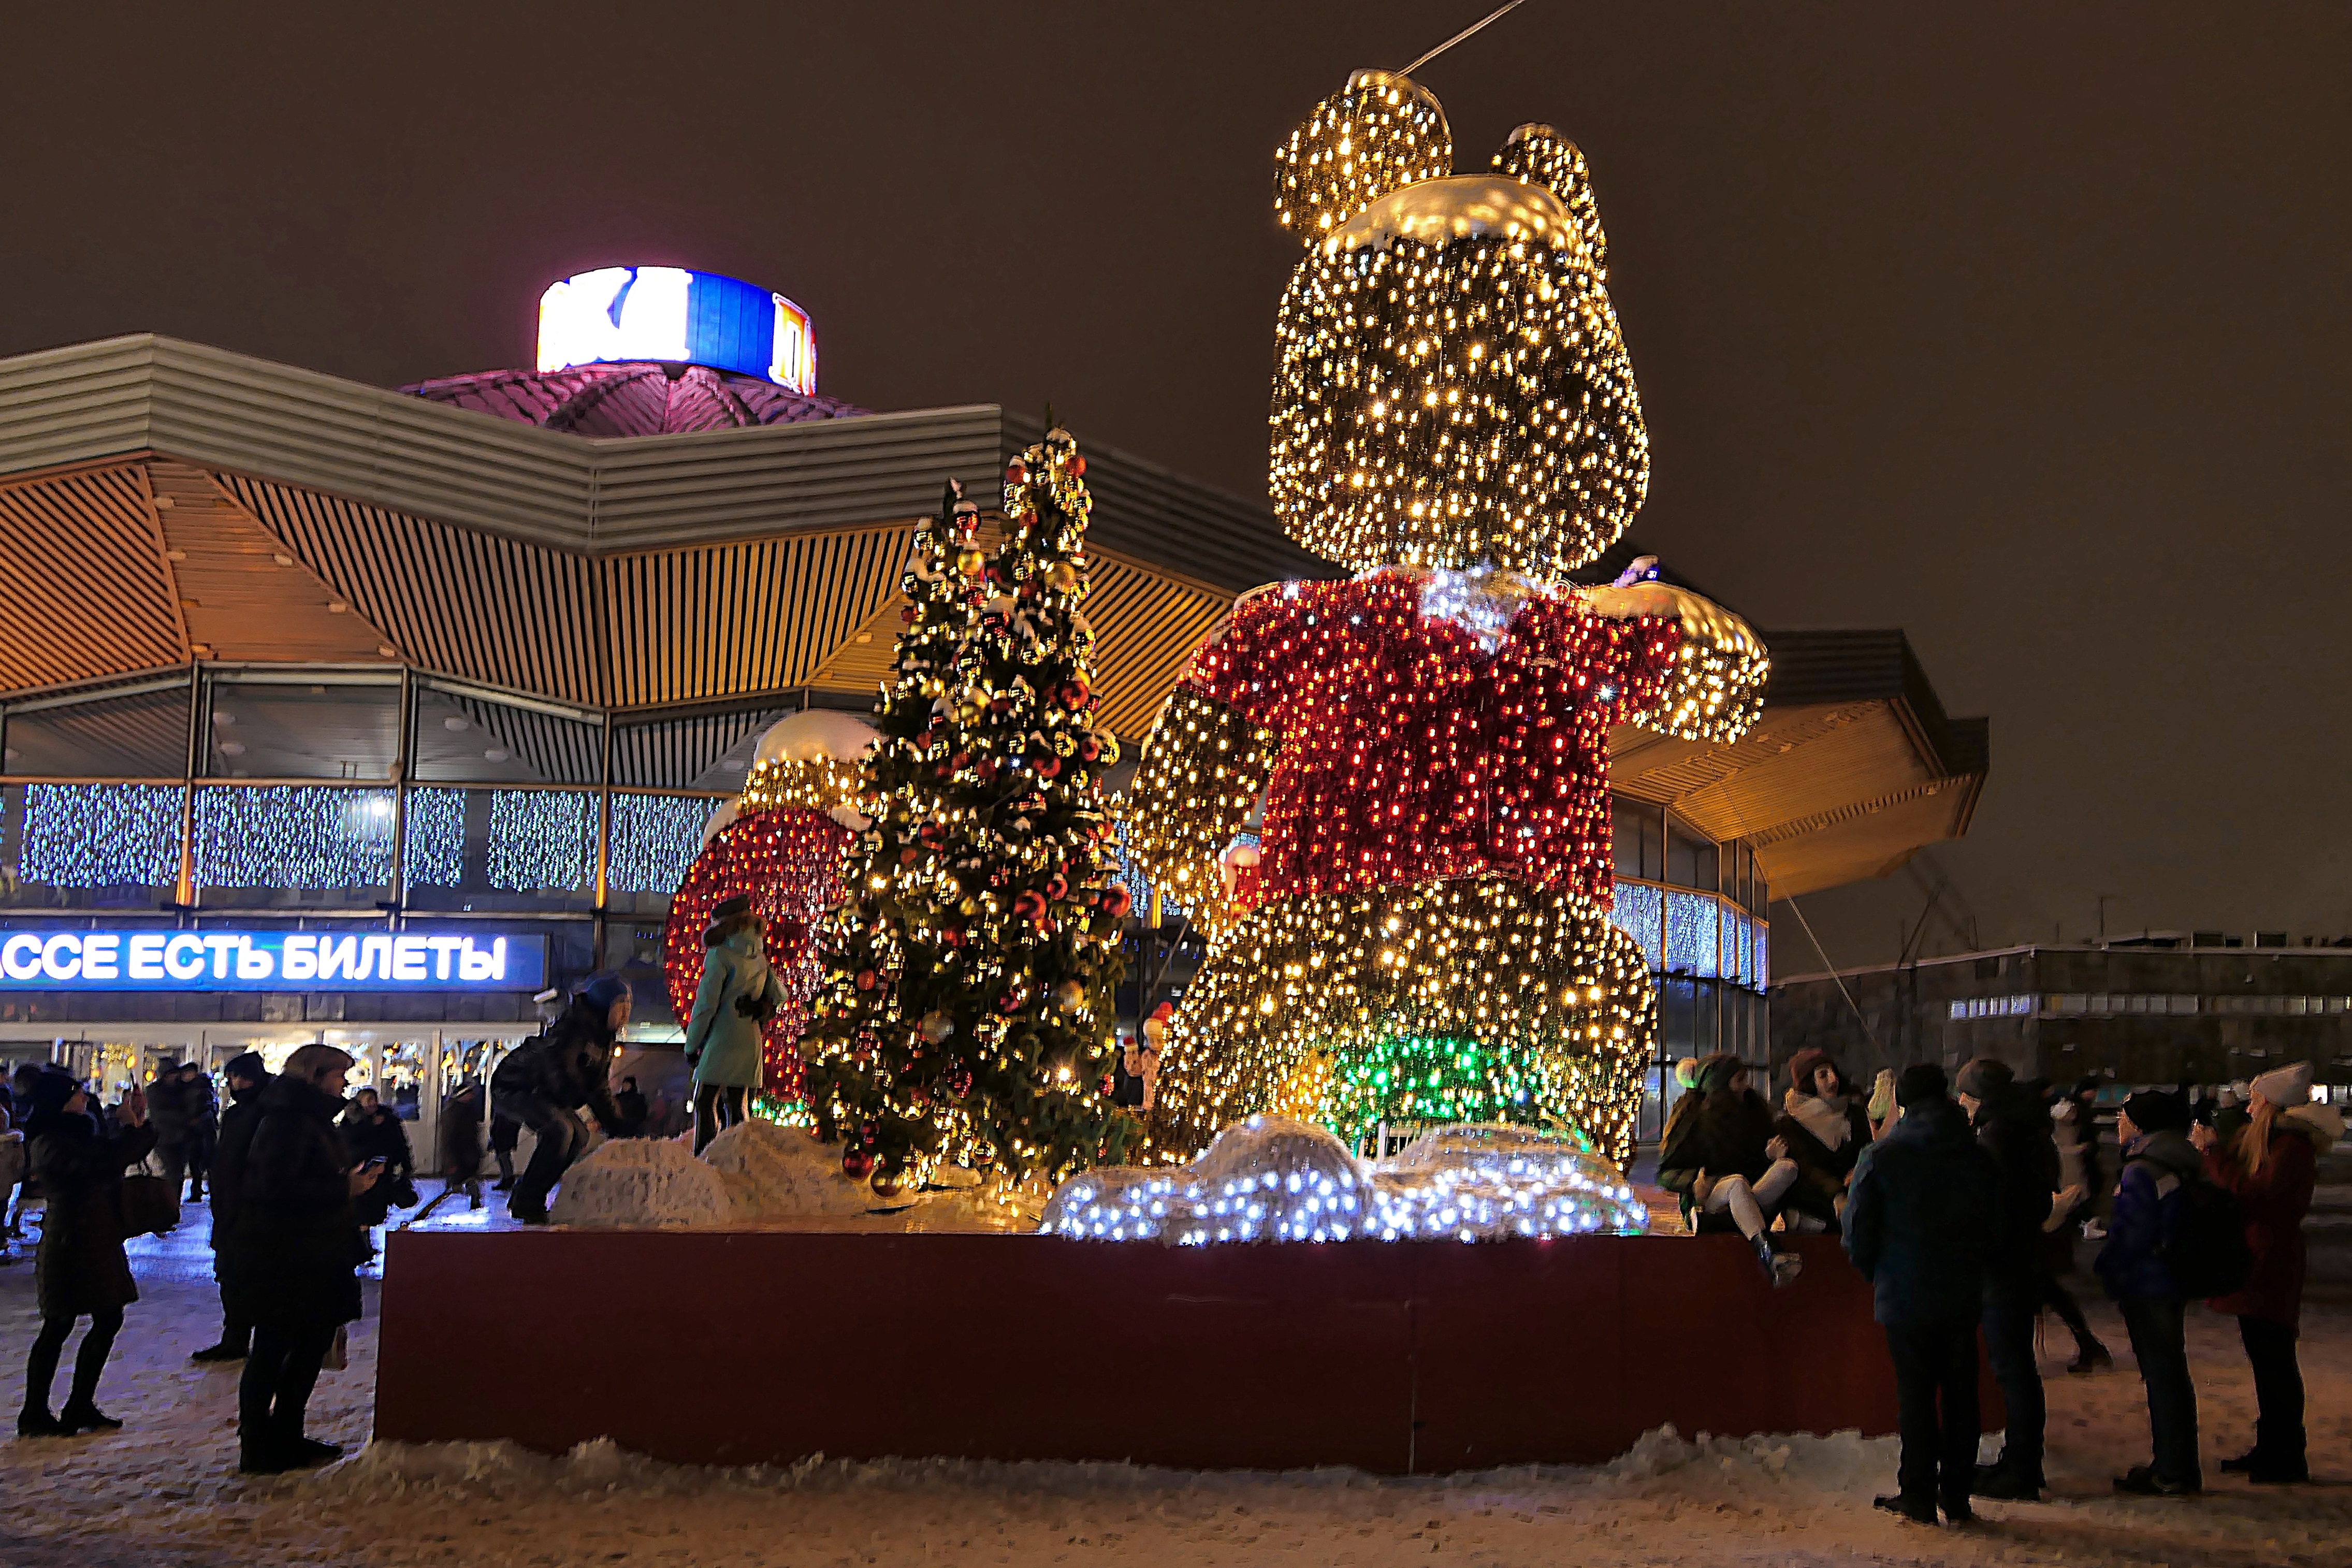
point(732, 1003)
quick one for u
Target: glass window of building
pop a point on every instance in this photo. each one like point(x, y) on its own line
point(300, 726)
point(1638, 831)
point(1691, 860)
point(142, 734)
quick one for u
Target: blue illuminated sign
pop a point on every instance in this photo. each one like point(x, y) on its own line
point(217, 960)
point(617, 314)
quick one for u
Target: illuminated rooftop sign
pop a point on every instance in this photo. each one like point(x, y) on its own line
point(623, 313)
point(219, 960)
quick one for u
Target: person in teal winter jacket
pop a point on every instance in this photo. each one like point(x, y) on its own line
point(732, 1003)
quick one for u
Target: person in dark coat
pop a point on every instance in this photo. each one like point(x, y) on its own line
point(2271, 1166)
point(1724, 1157)
point(2074, 1131)
point(299, 1245)
point(546, 1081)
point(634, 1113)
point(2013, 1127)
point(1825, 1129)
point(1922, 1221)
point(202, 1107)
point(170, 1109)
point(461, 1143)
point(374, 1131)
point(248, 1077)
point(20, 1088)
point(2159, 1160)
point(506, 1136)
point(81, 1271)
point(12, 1159)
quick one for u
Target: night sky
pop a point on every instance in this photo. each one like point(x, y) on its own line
point(2020, 327)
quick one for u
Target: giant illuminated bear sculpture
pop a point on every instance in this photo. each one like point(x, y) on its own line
point(1422, 931)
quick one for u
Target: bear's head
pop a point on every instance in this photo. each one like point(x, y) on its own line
point(1452, 388)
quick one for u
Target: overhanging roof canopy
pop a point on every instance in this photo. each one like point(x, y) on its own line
point(162, 502)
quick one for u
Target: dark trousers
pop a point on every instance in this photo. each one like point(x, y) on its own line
point(49, 1344)
point(562, 1135)
point(2009, 1318)
point(278, 1380)
point(1936, 1411)
point(2060, 1301)
point(2278, 1390)
point(202, 1141)
point(717, 1107)
point(173, 1159)
point(2159, 1340)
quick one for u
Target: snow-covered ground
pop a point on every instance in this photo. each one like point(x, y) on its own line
point(163, 1491)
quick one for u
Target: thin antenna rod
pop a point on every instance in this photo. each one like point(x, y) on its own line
point(1473, 27)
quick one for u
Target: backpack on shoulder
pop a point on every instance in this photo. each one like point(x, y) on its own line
point(2205, 1251)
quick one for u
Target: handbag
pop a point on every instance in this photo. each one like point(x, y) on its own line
point(150, 1205)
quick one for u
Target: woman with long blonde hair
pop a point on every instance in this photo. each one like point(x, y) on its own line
point(2270, 1163)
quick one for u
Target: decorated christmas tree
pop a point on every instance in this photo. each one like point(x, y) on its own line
point(968, 1010)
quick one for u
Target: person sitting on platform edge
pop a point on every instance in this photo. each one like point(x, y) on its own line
point(1723, 1156)
point(2159, 1162)
point(2013, 1127)
point(1922, 1217)
point(545, 1081)
point(1825, 1130)
point(248, 1078)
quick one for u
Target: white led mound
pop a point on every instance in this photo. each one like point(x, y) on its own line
point(1271, 1179)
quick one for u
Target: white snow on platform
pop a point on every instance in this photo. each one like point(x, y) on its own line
point(640, 1183)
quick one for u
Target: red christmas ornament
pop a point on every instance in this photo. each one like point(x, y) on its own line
point(1078, 467)
point(1017, 472)
point(786, 860)
point(856, 1163)
point(1116, 901)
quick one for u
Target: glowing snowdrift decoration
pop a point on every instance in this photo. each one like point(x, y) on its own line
point(619, 315)
point(1270, 1179)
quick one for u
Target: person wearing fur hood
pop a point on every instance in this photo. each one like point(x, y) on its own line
point(1826, 1131)
point(732, 1003)
point(2271, 1164)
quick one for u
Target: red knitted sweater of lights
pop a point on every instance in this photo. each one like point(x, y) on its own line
point(1411, 749)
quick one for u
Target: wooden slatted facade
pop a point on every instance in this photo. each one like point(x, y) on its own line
point(161, 502)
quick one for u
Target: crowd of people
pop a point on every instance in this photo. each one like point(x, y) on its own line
point(296, 1171)
point(1960, 1199)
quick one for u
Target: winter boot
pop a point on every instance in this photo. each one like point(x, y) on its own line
point(35, 1421)
point(223, 1352)
point(1780, 1267)
point(82, 1415)
point(2090, 1356)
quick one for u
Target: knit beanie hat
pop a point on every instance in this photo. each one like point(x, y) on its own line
point(2153, 1110)
point(247, 1064)
point(1984, 1079)
point(1717, 1071)
point(2285, 1088)
point(50, 1092)
point(1804, 1064)
point(604, 991)
point(1920, 1082)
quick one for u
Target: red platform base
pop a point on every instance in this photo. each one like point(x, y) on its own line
point(765, 1347)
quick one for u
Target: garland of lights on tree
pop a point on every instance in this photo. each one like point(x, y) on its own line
point(1426, 937)
point(972, 969)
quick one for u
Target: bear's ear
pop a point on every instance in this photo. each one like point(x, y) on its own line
point(1542, 156)
point(1380, 133)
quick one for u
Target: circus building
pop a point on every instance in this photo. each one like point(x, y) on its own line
point(344, 713)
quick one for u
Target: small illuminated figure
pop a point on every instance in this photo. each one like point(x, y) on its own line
point(1422, 932)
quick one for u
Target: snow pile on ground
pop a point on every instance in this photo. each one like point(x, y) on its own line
point(774, 1172)
point(1660, 1465)
point(635, 1184)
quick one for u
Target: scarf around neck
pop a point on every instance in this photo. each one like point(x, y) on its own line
point(1824, 1119)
